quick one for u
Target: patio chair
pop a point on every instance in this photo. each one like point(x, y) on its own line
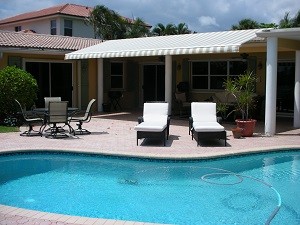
point(203, 122)
point(58, 114)
point(30, 121)
point(51, 99)
point(83, 119)
point(154, 123)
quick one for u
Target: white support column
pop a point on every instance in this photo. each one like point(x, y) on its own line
point(271, 86)
point(100, 84)
point(168, 81)
point(79, 84)
point(297, 91)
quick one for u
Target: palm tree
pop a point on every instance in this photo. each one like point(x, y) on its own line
point(245, 24)
point(107, 23)
point(296, 20)
point(161, 30)
point(286, 22)
point(182, 28)
point(136, 28)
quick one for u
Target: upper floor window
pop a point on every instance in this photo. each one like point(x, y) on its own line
point(18, 28)
point(210, 75)
point(117, 75)
point(68, 28)
point(53, 27)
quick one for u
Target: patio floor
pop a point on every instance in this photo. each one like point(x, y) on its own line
point(114, 134)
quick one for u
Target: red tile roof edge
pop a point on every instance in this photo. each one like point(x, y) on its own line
point(9, 39)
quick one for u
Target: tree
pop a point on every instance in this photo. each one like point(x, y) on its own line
point(162, 30)
point(17, 84)
point(182, 28)
point(170, 29)
point(268, 25)
point(246, 24)
point(107, 23)
point(288, 22)
point(296, 20)
point(136, 28)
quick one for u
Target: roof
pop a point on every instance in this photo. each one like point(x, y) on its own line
point(10, 39)
point(65, 9)
point(288, 33)
point(199, 43)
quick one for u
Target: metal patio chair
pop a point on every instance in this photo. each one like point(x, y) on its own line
point(30, 121)
point(83, 119)
point(51, 99)
point(58, 114)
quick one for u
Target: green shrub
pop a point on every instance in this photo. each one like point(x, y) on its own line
point(17, 84)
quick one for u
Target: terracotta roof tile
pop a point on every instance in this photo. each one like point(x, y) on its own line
point(66, 9)
point(44, 41)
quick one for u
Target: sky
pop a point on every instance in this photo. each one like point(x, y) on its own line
point(199, 15)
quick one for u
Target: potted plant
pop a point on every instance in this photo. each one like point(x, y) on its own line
point(237, 132)
point(243, 90)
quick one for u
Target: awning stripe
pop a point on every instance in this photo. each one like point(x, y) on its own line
point(201, 43)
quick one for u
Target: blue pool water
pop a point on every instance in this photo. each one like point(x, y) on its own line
point(236, 190)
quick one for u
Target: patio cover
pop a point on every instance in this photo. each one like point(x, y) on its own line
point(199, 43)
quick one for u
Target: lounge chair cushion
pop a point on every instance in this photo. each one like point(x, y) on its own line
point(151, 126)
point(155, 109)
point(156, 118)
point(204, 112)
point(207, 127)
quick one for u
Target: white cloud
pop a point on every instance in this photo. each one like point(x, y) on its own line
point(208, 21)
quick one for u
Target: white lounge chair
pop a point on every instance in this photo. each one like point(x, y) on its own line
point(203, 122)
point(154, 123)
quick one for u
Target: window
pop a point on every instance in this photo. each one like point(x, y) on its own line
point(68, 28)
point(210, 75)
point(53, 27)
point(18, 28)
point(116, 77)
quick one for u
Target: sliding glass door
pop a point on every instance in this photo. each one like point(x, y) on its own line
point(154, 82)
point(54, 80)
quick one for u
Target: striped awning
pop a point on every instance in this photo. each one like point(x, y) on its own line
point(199, 43)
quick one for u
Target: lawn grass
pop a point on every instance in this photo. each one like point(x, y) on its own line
point(4, 129)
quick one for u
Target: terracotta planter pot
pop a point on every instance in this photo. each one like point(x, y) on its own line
point(237, 132)
point(248, 127)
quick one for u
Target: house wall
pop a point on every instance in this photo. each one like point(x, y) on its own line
point(19, 59)
point(132, 92)
point(42, 26)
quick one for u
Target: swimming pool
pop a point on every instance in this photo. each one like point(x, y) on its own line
point(235, 190)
